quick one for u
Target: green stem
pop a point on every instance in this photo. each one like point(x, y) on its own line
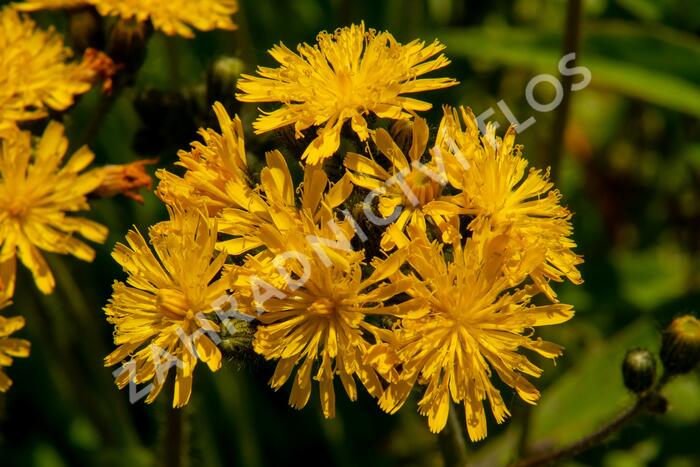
point(646, 402)
point(174, 446)
point(572, 34)
point(452, 442)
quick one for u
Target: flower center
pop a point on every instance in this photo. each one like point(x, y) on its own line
point(174, 304)
point(17, 209)
point(424, 188)
point(322, 307)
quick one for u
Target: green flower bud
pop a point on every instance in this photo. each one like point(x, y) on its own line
point(639, 370)
point(222, 77)
point(680, 345)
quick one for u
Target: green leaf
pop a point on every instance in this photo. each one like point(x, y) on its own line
point(592, 392)
point(658, 66)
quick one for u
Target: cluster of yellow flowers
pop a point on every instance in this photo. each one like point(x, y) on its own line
point(402, 260)
point(38, 191)
point(173, 17)
point(412, 263)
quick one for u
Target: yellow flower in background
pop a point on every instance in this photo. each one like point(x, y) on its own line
point(173, 17)
point(313, 306)
point(506, 198)
point(408, 186)
point(35, 71)
point(216, 170)
point(472, 325)
point(163, 313)
point(10, 347)
point(345, 76)
point(36, 195)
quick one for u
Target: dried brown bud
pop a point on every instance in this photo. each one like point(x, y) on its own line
point(125, 179)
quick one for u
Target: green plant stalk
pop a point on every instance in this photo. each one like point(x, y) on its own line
point(572, 38)
point(643, 404)
point(174, 442)
point(452, 442)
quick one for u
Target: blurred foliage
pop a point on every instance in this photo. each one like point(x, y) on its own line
point(630, 172)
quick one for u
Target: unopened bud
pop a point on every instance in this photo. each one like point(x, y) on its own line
point(85, 27)
point(639, 370)
point(222, 77)
point(680, 345)
point(402, 133)
point(237, 338)
point(127, 43)
point(125, 179)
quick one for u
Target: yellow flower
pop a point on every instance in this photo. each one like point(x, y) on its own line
point(35, 73)
point(36, 196)
point(215, 171)
point(472, 325)
point(312, 303)
point(406, 187)
point(273, 203)
point(216, 180)
point(345, 76)
point(505, 198)
point(163, 313)
point(173, 17)
point(10, 347)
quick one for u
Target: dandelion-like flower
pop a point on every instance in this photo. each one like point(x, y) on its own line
point(505, 198)
point(313, 304)
point(472, 325)
point(406, 188)
point(36, 195)
point(344, 77)
point(9, 346)
point(164, 314)
point(216, 170)
point(173, 17)
point(35, 71)
point(216, 179)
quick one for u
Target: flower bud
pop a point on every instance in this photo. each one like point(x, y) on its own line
point(125, 179)
point(127, 43)
point(680, 345)
point(639, 370)
point(85, 28)
point(221, 79)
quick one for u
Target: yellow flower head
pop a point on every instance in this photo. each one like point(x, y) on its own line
point(406, 187)
point(345, 76)
point(215, 171)
point(37, 193)
point(274, 203)
point(505, 198)
point(10, 347)
point(163, 314)
point(472, 325)
point(35, 73)
point(312, 302)
point(173, 17)
point(216, 180)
